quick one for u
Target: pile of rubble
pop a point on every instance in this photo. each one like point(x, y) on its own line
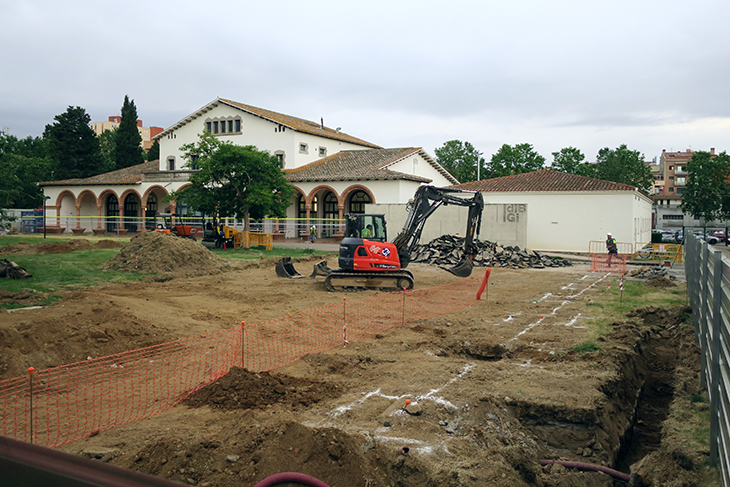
point(651, 272)
point(447, 250)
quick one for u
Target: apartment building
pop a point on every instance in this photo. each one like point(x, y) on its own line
point(147, 133)
point(673, 171)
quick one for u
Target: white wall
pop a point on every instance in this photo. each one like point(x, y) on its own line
point(505, 224)
point(569, 221)
point(256, 131)
point(417, 165)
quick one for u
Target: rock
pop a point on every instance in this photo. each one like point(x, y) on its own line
point(447, 251)
point(413, 409)
point(232, 458)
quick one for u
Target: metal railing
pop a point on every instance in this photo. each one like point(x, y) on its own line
point(708, 284)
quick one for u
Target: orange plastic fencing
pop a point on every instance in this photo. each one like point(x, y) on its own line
point(607, 263)
point(63, 404)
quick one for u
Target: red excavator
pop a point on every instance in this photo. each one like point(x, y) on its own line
point(368, 260)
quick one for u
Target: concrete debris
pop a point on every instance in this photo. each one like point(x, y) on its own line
point(447, 251)
point(651, 272)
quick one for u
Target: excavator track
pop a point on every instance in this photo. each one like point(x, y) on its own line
point(345, 281)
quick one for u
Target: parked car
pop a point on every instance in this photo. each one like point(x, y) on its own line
point(715, 236)
point(679, 237)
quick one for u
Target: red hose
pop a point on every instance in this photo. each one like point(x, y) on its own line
point(589, 467)
point(294, 477)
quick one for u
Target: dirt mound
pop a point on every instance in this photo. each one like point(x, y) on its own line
point(242, 389)
point(27, 297)
point(25, 248)
point(661, 282)
point(157, 253)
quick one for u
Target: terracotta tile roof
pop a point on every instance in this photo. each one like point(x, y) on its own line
point(292, 123)
point(544, 180)
point(128, 175)
point(357, 165)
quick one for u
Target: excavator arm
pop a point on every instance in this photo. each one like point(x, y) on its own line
point(426, 201)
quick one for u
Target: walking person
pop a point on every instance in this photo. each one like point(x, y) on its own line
point(611, 247)
point(312, 235)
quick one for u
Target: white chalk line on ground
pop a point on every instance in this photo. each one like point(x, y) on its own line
point(572, 322)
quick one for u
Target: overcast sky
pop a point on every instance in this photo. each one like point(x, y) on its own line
point(553, 73)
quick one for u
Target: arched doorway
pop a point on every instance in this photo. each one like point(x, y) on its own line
point(131, 212)
point(358, 200)
point(112, 210)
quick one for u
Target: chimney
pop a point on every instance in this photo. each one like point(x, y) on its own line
point(321, 123)
point(712, 151)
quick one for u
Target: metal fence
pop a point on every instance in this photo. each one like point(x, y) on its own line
point(708, 284)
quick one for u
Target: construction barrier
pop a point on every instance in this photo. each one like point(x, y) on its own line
point(265, 240)
point(608, 263)
point(55, 406)
point(665, 252)
point(599, 247)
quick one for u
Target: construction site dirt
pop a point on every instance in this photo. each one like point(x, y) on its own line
point(474, 397)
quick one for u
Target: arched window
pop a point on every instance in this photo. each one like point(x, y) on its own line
point(112, 209)
point(358, 200)
point(150, 211)
point(131, 209)
point(331, 212)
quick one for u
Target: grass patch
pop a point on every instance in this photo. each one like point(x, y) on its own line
point(585, 347)
point(73, 270)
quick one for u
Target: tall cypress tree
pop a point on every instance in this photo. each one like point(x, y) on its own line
point(73, 146)
point(128, 150)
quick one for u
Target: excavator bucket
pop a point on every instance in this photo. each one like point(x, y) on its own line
point(462, 269)
point(285, 268)
point(321, 269)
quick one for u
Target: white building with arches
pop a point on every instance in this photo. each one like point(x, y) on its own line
point(332, 172)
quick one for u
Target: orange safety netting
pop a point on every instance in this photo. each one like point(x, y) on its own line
point(62, 404)
point(607, 263)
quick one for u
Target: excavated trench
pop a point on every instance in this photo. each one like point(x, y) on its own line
point(628, 426)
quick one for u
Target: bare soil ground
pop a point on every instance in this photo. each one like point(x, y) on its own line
point(493, 388)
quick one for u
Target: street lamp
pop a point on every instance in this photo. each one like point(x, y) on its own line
point(44, 214)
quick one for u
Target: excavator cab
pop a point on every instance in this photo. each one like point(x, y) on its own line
point(366, 226)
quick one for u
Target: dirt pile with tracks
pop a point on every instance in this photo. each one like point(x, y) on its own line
point(158, 253)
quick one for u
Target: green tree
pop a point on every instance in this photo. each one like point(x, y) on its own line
point(568, 160)
point(128, 143)
point(706, 195)
point(107, 148)
point(73, 145)
point(154, 153)
point(235, 181)
point(515, 160)
point(460, 159)
point(622, 165)
point(23, 163)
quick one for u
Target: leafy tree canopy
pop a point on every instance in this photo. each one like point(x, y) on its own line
point(107, 148)
point(706, 195)
point(621, 165)
point(73, 145)
point(568, 160)
point(23, 163)
point(235, 181)
point(510, 160)
point(128, 149)
point(460, 159)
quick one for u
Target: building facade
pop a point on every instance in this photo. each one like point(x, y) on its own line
point(147, 133)
point(333, 173)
